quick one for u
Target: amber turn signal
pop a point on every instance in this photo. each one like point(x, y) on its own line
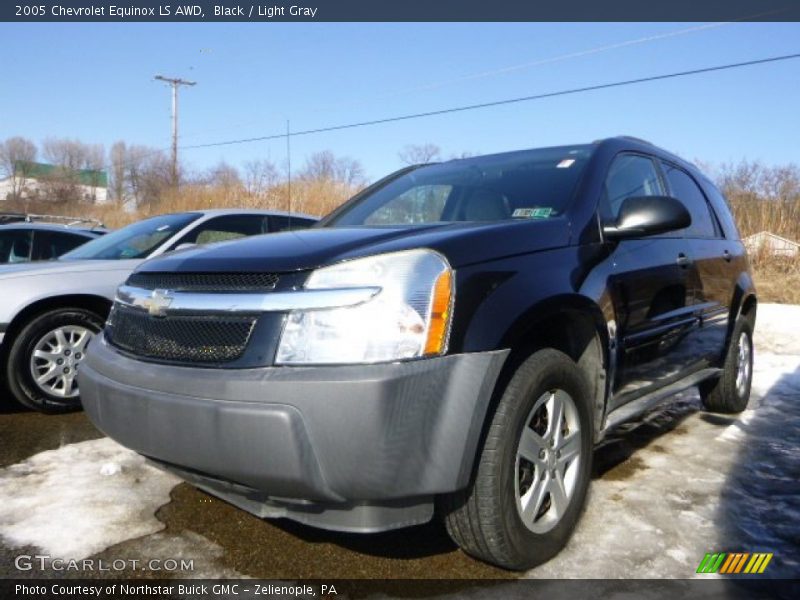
point(440, 314)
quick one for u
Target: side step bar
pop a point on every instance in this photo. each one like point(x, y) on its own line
point(628, 411)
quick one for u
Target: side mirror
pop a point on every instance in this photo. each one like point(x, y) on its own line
point(648, 215)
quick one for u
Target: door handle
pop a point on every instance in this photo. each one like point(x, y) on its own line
point(683, 260)
point(727, 256)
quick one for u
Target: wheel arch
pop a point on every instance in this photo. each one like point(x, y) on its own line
point(95, 303)
point(744, 305)
point(574, 325)
point(570, 323)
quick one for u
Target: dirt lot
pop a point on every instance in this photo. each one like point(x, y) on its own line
point(667, 489)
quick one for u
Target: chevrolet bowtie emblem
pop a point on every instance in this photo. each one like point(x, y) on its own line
point(158, 303)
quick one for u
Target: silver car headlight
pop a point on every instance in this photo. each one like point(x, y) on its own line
point(408, 318)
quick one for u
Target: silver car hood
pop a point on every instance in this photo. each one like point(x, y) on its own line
point(62, 267)
point(23, 285)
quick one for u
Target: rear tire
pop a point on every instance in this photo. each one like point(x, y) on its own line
point(533, 473)
point(730, 392)
point(59, 337)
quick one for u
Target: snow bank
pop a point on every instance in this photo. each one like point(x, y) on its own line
point(702, 483)
point(79, 499)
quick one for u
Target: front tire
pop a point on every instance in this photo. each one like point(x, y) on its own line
point(533, 473)
point(46, 356)
point(730, 392)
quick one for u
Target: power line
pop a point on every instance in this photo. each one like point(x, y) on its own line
point(577, 54)
point(551, 60)
point(571, 91)
point(443, 111)
point(423, 87)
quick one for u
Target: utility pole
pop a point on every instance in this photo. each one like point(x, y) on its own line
point(175, 82)
point(288, 169)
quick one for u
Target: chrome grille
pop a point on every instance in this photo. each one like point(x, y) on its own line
point(205, 282)
point(179, 338)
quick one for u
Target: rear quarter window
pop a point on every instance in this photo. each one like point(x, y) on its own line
point(278, 223)
point(48, 245)
point(722, 209)
point(684, 188)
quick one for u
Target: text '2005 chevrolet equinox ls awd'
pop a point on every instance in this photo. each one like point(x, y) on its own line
point(457, 334)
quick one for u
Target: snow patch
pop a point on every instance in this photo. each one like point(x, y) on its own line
point(81, 498)
point(716, 481)
point(110, 469)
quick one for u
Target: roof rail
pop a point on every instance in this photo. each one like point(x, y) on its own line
point(9, 217)
point(636, 139)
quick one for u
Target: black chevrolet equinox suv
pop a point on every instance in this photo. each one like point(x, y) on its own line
point(457, 336)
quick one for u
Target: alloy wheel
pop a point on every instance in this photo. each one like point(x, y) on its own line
point(56, 358)
point(744, 363)
point(548, 461)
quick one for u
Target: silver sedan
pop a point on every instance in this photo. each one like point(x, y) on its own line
point(49, 311)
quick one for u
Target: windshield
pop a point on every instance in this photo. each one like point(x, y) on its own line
point(137, 240)
point(531, 184)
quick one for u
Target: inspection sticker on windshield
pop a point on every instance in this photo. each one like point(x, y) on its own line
point(532, 213)
point(566, 163)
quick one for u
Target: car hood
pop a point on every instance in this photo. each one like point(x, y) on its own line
point(62, 267)
point(461, 243)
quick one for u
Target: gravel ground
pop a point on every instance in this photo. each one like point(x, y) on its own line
point(667, 489)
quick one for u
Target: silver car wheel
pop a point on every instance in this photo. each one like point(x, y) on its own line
point(744, 363)
point(56, 359)
point(548, 461)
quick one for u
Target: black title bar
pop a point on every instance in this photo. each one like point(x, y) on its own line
point(399, 10)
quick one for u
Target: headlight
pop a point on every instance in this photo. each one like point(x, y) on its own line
point(408, 318)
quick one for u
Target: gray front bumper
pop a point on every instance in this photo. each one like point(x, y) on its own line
point(337, 437)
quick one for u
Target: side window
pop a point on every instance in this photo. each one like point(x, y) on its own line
point(52, 244)
point(15, 246)
point(722, 209)
point(630, 175)
point(227, 227)
point(283, 223)
point(686, 190)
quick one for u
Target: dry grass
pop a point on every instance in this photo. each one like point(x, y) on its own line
point(314, 197)
point(781, 217)
point(777, 278)
point(775, 287)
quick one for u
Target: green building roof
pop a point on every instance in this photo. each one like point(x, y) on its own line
point(87, 177)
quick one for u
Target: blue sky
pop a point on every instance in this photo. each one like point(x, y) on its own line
point(94, 82)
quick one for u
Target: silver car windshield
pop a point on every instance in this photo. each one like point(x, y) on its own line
point(137, 240)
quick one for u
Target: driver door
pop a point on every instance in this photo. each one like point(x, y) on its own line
point(650, 286)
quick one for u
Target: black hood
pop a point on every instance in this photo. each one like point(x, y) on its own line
point(461, 243)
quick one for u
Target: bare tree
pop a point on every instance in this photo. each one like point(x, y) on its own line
point(118, 172)
point(325, 166)
point(752, 180)
point(78, 173)
point(149, 175)
point(420, 154)
point(259, 176)
point(223, 175)
point(762, 198)
point(782, 183)
point(71, 155)
point(17, 155)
